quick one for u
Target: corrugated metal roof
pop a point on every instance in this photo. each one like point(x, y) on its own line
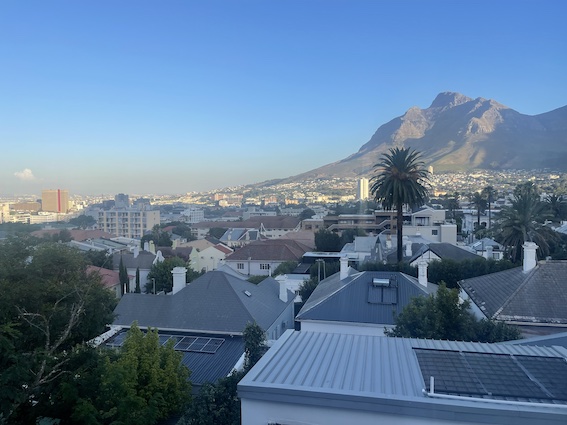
point(355, 299)
point(361, 365)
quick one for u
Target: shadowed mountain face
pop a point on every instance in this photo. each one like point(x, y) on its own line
point(459, 133)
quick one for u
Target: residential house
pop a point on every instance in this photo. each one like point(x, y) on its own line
point(110, 279)
point(207, 317)
point(488, 248)
point(437, 251)
point(339, 378)
point(236, 237)
point(142, 260)
point(261, 257)
point(361, 302)
point(533, 297)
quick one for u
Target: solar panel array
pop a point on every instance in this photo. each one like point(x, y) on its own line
point(494, 375)
point(181, 343)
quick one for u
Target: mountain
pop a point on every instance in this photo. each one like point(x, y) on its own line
point(459, 133)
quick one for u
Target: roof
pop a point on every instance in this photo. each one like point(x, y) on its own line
point(306, 237)
point(391, 376)
point(445, 251)
point(76, 234)
point(363, 297)
point(204, 366)
point(270, 250)
point(144, 260)
point(538, 296)
point(214, 302)
point(485, 242)
point(269, 222)
point(109, 278)
point(556, 339)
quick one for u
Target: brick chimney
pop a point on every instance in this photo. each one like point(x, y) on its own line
point(530, 259)
point(179, 277)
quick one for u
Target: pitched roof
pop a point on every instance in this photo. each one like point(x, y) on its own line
point(392, 375)
point(538, 296)
point(144, 260)
point(109, 278)
point(270, 250)
point(445, 251)
point(214, 302)
point(363, 297)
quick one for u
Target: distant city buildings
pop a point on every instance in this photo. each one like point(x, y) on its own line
point(128, 222)
point(362, 189)
point(55, 200)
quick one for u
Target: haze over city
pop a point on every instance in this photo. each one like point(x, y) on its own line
point(177, 96)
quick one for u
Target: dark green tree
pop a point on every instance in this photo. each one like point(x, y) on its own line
point(83, 221)
point(137, 290)
point(306, 213)
point(307, 288)
point(123, 278)
point(254, 344)
point(443, 316)
point(161, 272)
point(400, 180)
point(479, 203)
point(489, 194)
point(285, 268)
point(524, 221)
point(327, 241)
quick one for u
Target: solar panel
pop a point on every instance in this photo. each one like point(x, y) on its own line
point(198, 344)
point(494, 375)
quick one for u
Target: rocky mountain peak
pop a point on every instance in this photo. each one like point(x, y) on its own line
point(449, 99)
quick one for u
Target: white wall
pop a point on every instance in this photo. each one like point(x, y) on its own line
point(257, 412)
point(343, 327)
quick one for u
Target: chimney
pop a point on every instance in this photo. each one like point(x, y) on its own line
point(388, 242)
point(488, 252)
point(344, 267)
point(283, 291)
point(147, 246)
point(179, 277)
point(136, 251)
point(422, 272)
point(530, 260)
point(408, 249)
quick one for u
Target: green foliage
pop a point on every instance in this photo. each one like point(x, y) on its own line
point(307, 288)
point(83, 221)
point(256, 279)
point(388, 267)
point(327, 241)
point(123, 277)
point(524, 221)
point(306, 213)
point(254, 344)
point(98, 258)
point(348, 235)
point(451, 272)
point(285, 268)
point(400, 180)
point(137, 290)
point(217, 232)
point(161, 272)
point(442, 316)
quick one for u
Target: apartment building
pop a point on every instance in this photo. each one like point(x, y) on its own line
point(128, 222)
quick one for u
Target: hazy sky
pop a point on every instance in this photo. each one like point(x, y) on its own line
point(172, 96)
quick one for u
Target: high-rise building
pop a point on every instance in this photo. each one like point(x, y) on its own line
point(55, 200)
point(362, 189)
point(128, 222)
point(121, 201)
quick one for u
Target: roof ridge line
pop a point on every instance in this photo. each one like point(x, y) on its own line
point(509, 299)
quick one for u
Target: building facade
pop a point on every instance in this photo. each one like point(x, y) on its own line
point(128, 222)
point(55, 200)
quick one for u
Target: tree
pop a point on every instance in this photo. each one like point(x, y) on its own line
point(137, 290)
point(400, 180)
point(489, 193)
point(123, 278)
point(348, 235)
point(306, 214)
point(557, 207)
point(161, 272)
point(285, 268)
point(307, 288)
point(327, 241)
point(254, 344)
point(453, 204)
point(524, 221)
point(479, 203)
point(443, 316)
point(83, 221)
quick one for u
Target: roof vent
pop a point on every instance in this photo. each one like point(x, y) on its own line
point(380, 282)
point(247, 293)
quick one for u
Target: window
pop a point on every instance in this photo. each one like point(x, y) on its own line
point(264, 266)
point(434, 232)
point(240, 266)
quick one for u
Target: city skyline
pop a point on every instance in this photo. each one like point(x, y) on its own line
point(136, 97)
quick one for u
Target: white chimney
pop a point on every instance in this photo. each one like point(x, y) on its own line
point(489, 249)
point(147, 246)
point(283, 291)
point(530, 259)
point(389, 242)
point(136, 251)
point(422, 272)
point(344, 267)
point(408, 249)
point(179, 277)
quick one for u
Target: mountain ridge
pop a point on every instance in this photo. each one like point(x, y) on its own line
point(459, 133)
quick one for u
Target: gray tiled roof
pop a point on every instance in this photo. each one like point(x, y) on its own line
point(383, 375)
point(538, 296)
point(270, 250)
point(144, 260)
point(445, 251)
point(215, 302)
point(351, 299)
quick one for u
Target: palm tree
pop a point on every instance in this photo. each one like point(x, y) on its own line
point(489, 193)
point(524, 221)
point(480, 204)
point(400, 180)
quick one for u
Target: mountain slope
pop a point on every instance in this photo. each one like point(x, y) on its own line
point(460, 133)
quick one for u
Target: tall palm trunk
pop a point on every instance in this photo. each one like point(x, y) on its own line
point(399, 231)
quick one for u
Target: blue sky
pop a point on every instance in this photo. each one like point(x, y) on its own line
point(175, 96)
